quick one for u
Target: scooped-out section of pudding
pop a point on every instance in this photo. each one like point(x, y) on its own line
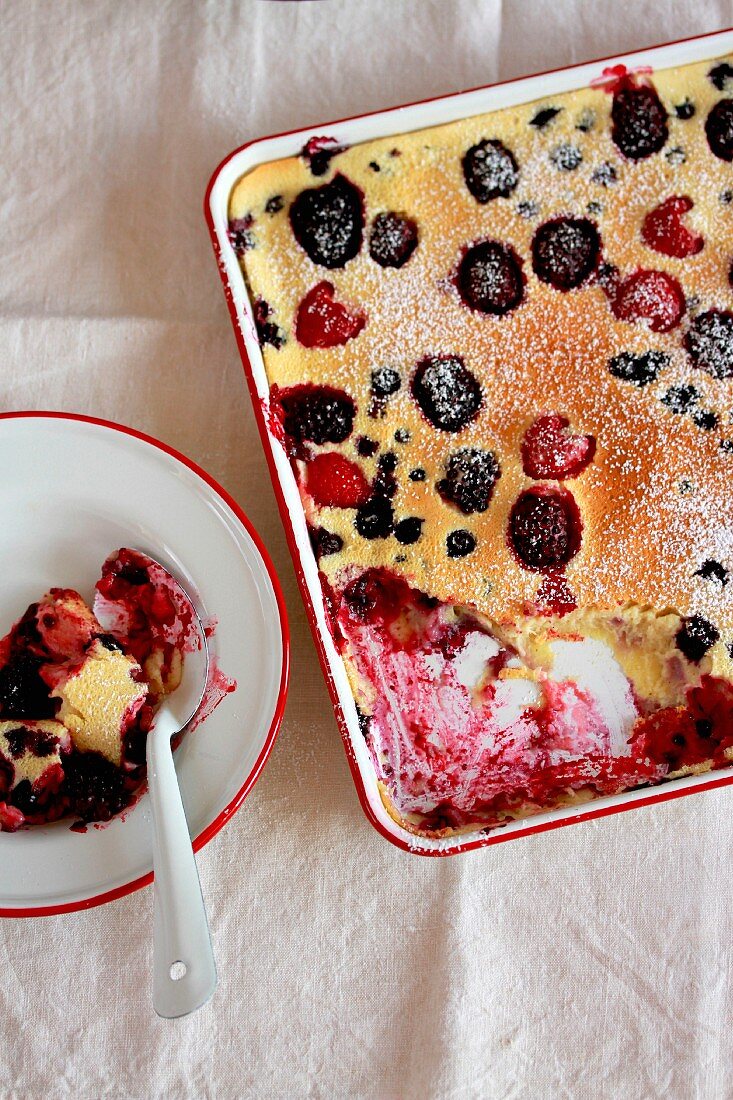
point(472, 724)
point(78, 692)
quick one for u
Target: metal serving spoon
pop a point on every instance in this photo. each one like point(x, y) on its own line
point(184, 971)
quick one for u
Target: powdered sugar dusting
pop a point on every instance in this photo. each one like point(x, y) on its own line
point(655, 501)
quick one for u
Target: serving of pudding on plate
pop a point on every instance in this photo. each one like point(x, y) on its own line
point(500, 356)
point(78, 692)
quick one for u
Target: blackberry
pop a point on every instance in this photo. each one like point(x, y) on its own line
point(392, 240)
point(639, 121)
point(490, 171)
point(448, 394)
point(544, 117)
point(375, 519)
point(93, 786)
point(460, 543)
point(709, 343)
point(319, 414)
point(565, 252)
point(408, 530)
point(712, 570)
point(719, 129)
point(470, 477)
point(23, 694)
point(324, 542)
point(490, 278)
point(328, 221)
point(566, 157)
point(695, 637)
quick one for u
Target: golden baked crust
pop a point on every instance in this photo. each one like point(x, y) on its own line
point(656, 500)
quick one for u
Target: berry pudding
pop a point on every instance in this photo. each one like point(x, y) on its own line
point(500, 359)
point(78, 691)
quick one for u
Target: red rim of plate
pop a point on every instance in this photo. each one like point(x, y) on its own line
point(231, 808)
point(659, 795)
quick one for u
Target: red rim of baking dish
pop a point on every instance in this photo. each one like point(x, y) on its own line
point(231, 808)
point(483, 840)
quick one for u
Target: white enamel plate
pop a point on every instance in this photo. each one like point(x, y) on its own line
point(75, 489)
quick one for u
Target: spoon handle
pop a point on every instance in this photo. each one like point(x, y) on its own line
point(184, 971)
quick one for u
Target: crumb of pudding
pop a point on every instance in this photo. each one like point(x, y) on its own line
point(78, 692)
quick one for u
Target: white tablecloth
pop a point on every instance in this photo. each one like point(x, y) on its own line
point(589, 962)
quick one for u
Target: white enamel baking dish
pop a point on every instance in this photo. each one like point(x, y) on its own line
point(351, 131)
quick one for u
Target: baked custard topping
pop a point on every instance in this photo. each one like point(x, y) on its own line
point(500, 356)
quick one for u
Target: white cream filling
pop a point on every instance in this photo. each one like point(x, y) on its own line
point(471, 661)
point(592, 666)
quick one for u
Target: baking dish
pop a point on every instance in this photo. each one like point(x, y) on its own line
point(349, 133)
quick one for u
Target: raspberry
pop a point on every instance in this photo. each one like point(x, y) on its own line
point(719, 129)
point(392, 240)
point(565, 252)
point(544, 528)
point(446, 391)
point(328, 221)
point(469, 481)
point(695, 637)
point(490, 278)
point(653, 297)
point(639, 121)
point(322, 322)
point(460, 543)
point(490, 171)
point(664, 231)
point(319, 414)
point(709, 343)
point(550, 451)
point(333, 481)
